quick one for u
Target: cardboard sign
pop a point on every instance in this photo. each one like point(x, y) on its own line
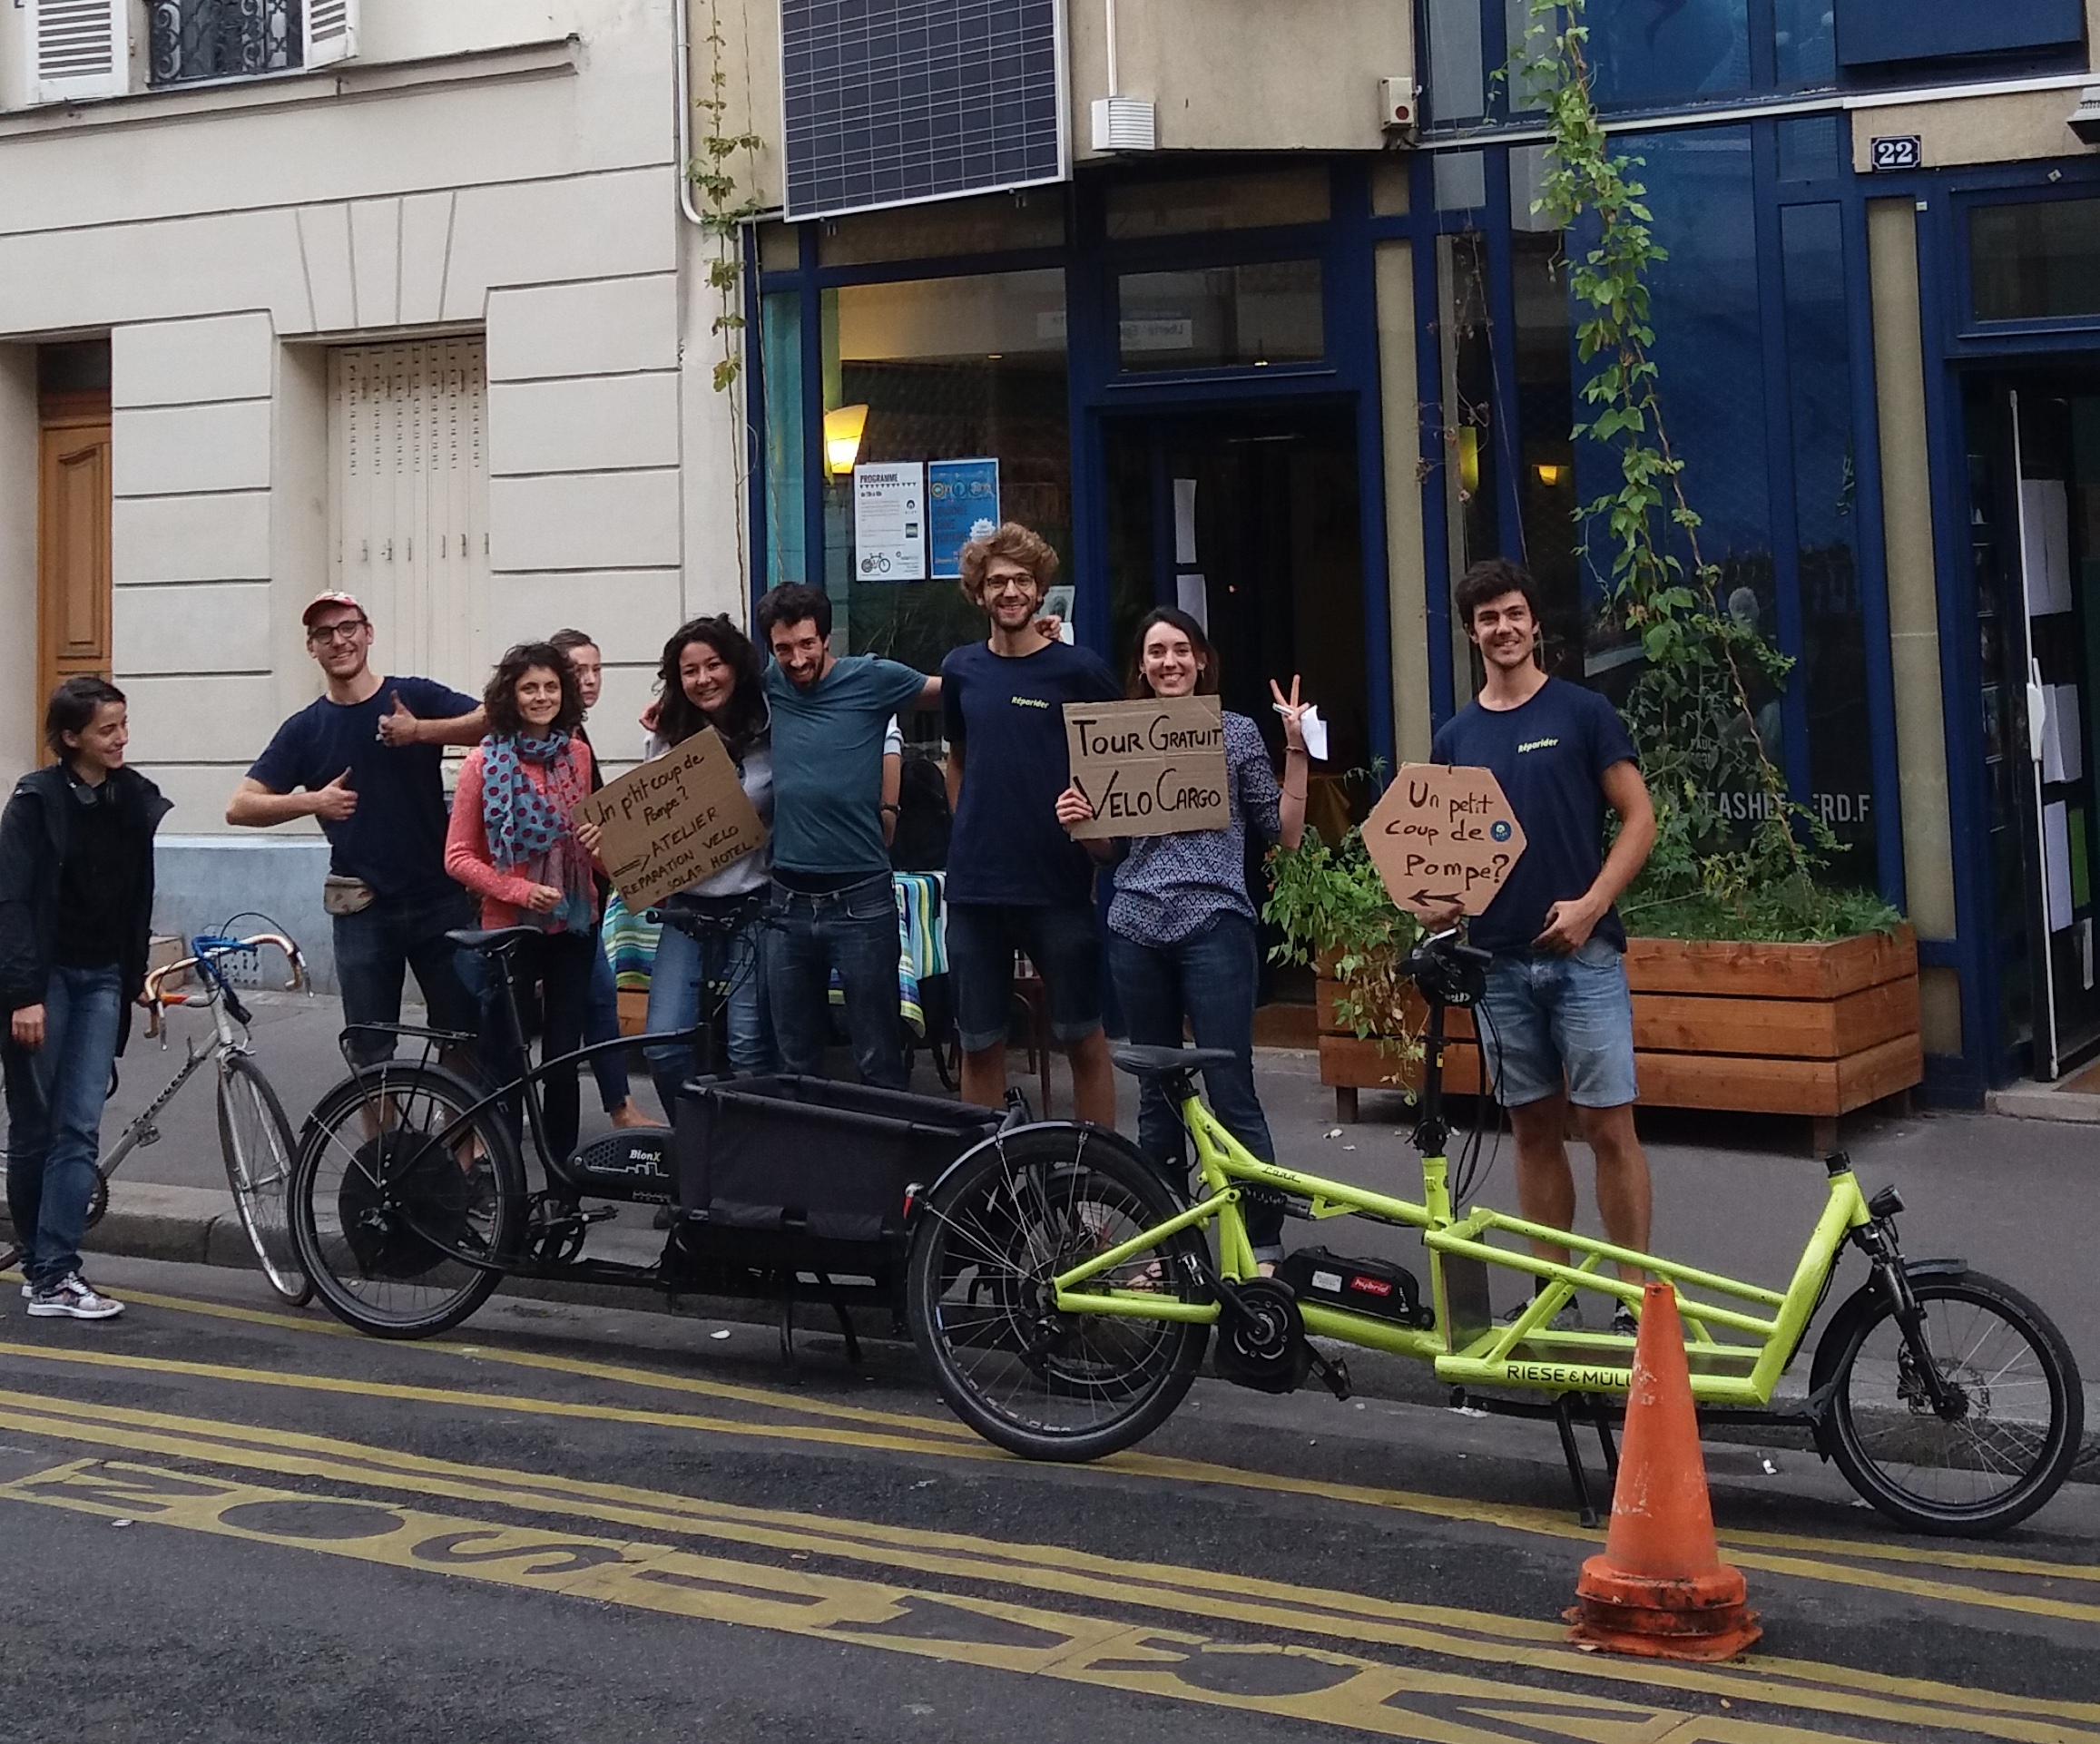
point(1443, 835)
point(675, 820)
point(1155, 767)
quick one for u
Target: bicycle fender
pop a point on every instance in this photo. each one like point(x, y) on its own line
point(1098, 1135)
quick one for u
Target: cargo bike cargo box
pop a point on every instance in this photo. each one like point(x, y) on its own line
point(815, 1166)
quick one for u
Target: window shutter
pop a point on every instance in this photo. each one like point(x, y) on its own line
point(83, 48)
point(332, 31)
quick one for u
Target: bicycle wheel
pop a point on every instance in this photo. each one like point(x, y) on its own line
point(1036, 1382)
point(255, 1139)
point(2013, 1435)
point(401, 1211)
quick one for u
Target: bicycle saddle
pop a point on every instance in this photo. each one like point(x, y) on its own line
point(493, 939)
point(1154, 1062)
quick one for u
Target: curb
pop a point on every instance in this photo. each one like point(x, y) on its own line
point(197, 1226)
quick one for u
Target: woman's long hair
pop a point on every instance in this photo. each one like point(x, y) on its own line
point(499, 697)
point(1137, 687)
point(678, 716)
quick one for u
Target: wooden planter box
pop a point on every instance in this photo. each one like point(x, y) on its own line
point(1817, 1030)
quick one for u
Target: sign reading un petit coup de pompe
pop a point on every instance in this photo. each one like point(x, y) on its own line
point(673, 822)
point(1151, 767)
point(1443, 834)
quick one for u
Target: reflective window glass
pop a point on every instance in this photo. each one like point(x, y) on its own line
point(1644, 52)
point(1457, 73)
point(780, 379)
point(1208, 318)
point(2035, 260)
point(969, 369)
point(1804, 41)
point(1186, 205)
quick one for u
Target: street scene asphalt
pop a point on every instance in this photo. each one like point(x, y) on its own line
point(592, 1519)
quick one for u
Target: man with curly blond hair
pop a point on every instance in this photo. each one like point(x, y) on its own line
point(1016, 879)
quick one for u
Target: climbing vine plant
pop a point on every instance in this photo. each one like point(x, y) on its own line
point(1689, 711)
point(724, 206)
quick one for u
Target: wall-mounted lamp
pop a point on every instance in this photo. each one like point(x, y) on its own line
point(1550, 474)
point(843, 428)
point(1469, 459)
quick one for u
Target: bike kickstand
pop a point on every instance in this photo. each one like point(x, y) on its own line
point(845, 1326)
point(1564, 1422)
point(1601, 1415)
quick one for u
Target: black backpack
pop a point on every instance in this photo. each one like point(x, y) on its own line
point(923, 819)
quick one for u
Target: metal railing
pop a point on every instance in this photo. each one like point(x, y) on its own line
point(222, 39)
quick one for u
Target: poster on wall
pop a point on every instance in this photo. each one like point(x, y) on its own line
point(962, 503)
point(889, 522)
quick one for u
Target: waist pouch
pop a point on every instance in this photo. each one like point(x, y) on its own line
point(343, 895)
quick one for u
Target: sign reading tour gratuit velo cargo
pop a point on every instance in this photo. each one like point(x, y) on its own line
point(675, 820)
point(1442, 834)
point(1151, 767)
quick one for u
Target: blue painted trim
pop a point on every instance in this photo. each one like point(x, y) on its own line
point(814, 559)
point(1504, 423)
point(1351, 284)
point(1090, 345)
point(754, 425)
point(1938, 953)
point(1430, 395)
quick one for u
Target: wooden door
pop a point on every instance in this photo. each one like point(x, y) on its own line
point(73, 551)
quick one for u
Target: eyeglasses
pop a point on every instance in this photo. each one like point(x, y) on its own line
point(344, 629)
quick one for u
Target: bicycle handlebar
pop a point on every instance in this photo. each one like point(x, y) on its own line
point(156, 998)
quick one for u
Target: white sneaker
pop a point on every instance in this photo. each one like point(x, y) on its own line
point(73, 1298)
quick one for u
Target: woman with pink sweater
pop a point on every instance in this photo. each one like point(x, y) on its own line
point(512, 844)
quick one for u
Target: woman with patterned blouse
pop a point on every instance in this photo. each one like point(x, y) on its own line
point(1181, 937)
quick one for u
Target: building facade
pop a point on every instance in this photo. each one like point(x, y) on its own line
point(1282, 355)
point(363, 294)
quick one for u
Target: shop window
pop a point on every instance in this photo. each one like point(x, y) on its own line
point(989, 224)
point(1650, 52)
point(1192, 205)
point(2037, 260)
point(1804, 41)
point(1826, 531)
point(780, 379)
point(937, 370)
point(1472, 429)
point(1210, 318)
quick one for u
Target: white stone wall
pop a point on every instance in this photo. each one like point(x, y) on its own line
point(224, 238)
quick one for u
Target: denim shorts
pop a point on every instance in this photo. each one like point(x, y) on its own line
point(1063, 941)
point(1551, 1022)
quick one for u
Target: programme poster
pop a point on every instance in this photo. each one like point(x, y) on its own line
point(889, 522)
point(963, 497)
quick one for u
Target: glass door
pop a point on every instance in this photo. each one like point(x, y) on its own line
point(2046, 621)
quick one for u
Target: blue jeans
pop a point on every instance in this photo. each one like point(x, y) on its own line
point(1551, 1021)
point(1210, 978)
point(683, 967)
point(54, 1103)
point(855, 932)
point(376, 948)
point(602, 1024)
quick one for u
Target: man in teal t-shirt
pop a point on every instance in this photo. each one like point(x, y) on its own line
point(831, 907)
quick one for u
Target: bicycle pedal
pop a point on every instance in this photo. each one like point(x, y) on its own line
point(1333, 1372)
point(147, 1135)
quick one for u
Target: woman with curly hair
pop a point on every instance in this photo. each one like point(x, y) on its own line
point(710, 677)
point(512, 843)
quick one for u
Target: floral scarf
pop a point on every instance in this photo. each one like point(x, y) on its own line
point(528, 829)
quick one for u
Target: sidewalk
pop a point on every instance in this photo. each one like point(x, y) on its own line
point(2015, 1198)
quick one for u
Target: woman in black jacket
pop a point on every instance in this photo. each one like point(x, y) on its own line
point(76, 904)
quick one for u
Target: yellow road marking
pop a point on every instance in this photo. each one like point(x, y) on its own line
point(1516, 1516)
point(1536, 1520)
point(1206, 1596)
point(1368, 1696)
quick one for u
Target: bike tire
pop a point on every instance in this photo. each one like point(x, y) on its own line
point(2007, 1455)
point(380, 1211)
point(996, 1230)
point(252, 1119)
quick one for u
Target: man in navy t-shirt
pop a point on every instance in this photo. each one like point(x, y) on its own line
point(1557, 1022)
point(1016, 878)
point(377, 791)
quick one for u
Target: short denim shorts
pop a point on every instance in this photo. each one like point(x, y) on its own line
point(1552, 1021)
point(1062, 940)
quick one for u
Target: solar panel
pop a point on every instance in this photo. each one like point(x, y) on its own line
point(890, 101)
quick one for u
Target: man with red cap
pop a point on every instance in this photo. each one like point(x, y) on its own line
point(377, 794)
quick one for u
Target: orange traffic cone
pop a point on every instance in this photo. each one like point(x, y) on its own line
point(1660, 1588)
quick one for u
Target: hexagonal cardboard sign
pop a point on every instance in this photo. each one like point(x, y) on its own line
point(1443, 834)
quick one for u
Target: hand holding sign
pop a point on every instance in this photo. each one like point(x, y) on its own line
point(677, 819)
point(1150, 768)
point(1443, 838)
